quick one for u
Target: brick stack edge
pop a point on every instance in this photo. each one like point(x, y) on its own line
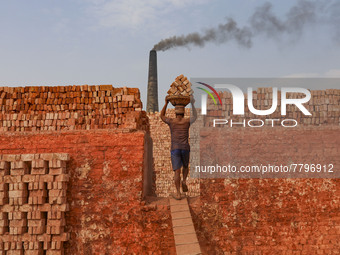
point(33, 203)
point(70, 107)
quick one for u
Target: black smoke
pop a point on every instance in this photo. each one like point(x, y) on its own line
point(263, 22)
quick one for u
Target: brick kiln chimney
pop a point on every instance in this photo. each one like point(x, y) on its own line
point(152, 98)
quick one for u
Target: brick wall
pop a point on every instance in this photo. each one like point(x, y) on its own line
point(106, 212)
point(70, 107)
point(267, 216)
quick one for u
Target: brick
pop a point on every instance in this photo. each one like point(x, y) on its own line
point(40, 171)
point(12, 179)
point(17, 193)
point(15, 252)
point(17, 165)
point(54, 252)
point(188, 249)
point(186, 239)
point(27, 157)
point(62, 156)
point(179, 208)
point(55, 215)
point(18, 223)
point(3, 195)
point(36, 223)
point(57, 200)
point(180, 215)
point(57, 171)
point(57, 192)
point(63, 237)
point(18, 172)
point(174, 202)
point(2, 164)
point(180, 230)
point(40, 163)
point(10, 157)
point(47, 156)
point(29, 178)
point(17, 200)
point(47, 207)
point(34, 252)
point(46, 178)
point(16, 215)
point(61, 178)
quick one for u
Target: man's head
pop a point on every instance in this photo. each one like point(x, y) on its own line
point(179, 111)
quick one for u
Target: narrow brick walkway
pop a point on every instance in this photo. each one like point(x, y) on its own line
point(185, 236)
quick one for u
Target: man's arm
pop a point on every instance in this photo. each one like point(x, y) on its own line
point(165, 119)
point(193, 119)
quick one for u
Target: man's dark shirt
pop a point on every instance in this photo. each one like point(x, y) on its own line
point(179, 133)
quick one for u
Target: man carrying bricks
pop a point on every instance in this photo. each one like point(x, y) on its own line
point(180, 148)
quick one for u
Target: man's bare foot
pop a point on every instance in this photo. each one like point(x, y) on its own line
point(177, 196)
point(184, 186)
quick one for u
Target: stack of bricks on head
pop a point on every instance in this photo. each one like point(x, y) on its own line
point(180, 87)
point(33, 203)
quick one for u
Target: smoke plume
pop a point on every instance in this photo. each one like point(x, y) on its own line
point(263, 22)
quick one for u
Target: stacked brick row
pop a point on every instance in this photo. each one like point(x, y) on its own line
point(33, 203)
point(70, 107)
point(163, 172)
point(324, 106)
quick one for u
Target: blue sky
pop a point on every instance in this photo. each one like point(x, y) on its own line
point(79, 42)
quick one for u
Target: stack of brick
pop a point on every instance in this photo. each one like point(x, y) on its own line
point(33, 203)
point(265, 215)
point(105, 190)
point(324, 106)
point(180, 87)
point(70, 107)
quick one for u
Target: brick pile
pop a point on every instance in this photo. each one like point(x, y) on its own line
point(163, 173)
point(70, 107)
point(324, 106)
point(33, 203)
point(180, 87)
